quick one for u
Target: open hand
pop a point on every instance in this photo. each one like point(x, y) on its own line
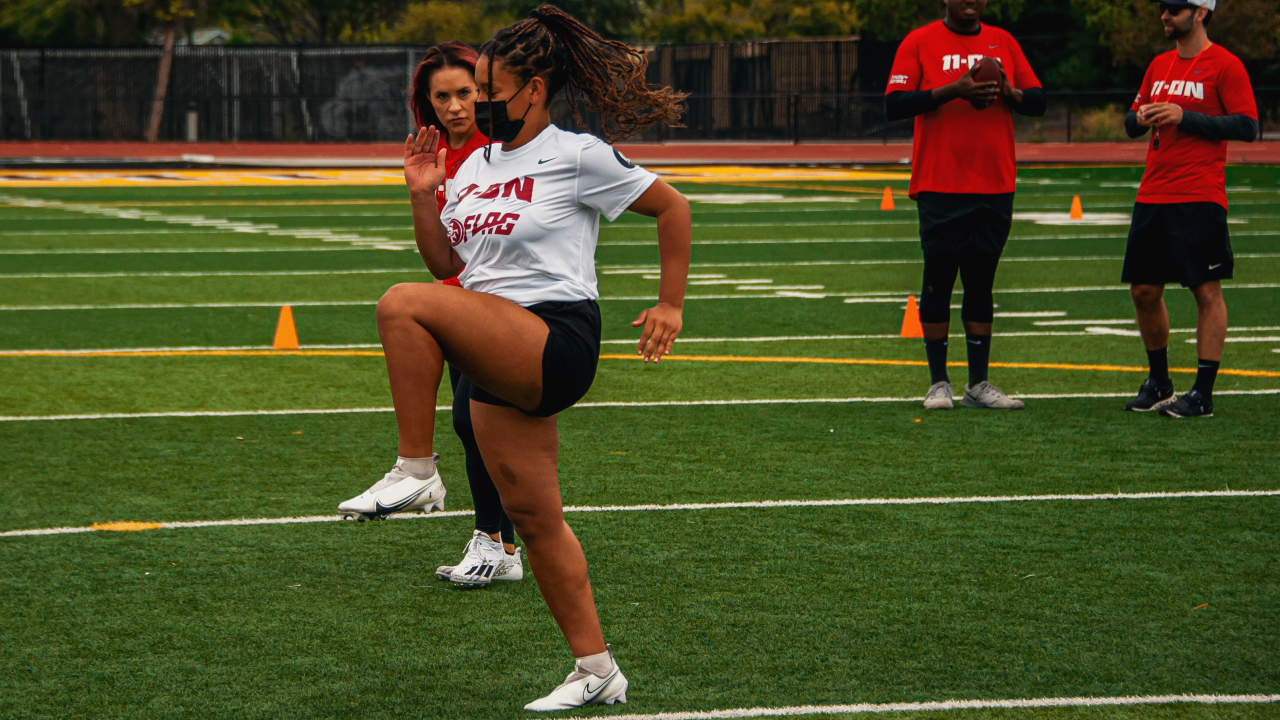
point(424, 168)
point(662, 323)
point(1159, 115)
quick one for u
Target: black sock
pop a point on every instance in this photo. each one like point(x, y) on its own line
point(1206, 374)
point(979, 347)
point(1159, 362)
point(936, 351)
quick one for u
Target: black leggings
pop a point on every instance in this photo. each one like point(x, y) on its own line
point(490, 517)
point(977, 269)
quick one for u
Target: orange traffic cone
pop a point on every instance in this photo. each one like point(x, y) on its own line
point(286, 333)
point(1077, 210)
point(911, 320)
point(886, 203)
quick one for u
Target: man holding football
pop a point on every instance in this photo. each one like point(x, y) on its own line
point(1193, 100)
point(962, 177)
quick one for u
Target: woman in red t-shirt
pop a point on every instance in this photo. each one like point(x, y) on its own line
point(443, 95)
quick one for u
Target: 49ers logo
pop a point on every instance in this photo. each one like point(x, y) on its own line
point(481, 224)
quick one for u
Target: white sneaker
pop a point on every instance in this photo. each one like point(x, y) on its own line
point(939, 397)
point(986, 395)
point(396, 492)
point(584, 688)
point(481, 560)
point(511, 569)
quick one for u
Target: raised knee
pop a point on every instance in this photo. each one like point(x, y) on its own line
point(394, 302)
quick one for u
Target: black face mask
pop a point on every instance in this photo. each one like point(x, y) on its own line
point(491, 116)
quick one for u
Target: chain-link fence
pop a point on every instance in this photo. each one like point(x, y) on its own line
point(765, 90)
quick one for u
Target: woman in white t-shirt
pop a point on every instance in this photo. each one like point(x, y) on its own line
point(525, 328)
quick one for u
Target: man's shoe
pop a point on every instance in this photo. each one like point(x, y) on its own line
point(396, 492)
point(1192, 404)
point(584, 688)
point(939, 397)
point(986, 395)
point(1151, 396)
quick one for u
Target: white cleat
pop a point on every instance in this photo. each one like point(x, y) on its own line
point(986, 395)
point(583, 688)
point(483, 562)
point(939, 397)
point(396, 492)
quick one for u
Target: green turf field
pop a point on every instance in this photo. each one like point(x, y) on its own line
point(797, 297)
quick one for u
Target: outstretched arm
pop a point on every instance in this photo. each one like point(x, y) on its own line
point(424, 171)
point(662, 323)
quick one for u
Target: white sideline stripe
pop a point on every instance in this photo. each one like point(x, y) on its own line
point(955, 705)
point(607, 404)
point(879, 296)
point(749, 505)
point(420, 270)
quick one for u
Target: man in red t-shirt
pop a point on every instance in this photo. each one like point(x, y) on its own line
point(962, 178)
point(1195, 99)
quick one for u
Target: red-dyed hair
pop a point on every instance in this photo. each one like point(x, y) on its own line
point(451, 54)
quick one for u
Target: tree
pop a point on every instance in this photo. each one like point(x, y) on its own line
point(434, 21)
point(167, 13)
point(709, 20)
point(1132, 30)
point(891, 19)
point(313, 21)
point(610, 18)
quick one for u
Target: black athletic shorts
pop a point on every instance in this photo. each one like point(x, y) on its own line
point(953, 222)
point(569, 358)
point(1185, 243)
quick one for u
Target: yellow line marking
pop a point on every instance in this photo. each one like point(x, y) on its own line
point(685, 358)
point(734, 173)
point(126, 526)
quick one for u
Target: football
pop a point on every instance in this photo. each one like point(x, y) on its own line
point(987, 71)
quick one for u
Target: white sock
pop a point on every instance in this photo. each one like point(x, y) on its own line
point(420, 468)
point(599, 665)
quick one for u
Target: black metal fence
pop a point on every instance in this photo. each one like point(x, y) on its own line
point(768, 90)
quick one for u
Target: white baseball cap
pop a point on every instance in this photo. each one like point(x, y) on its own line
point(1206, 4)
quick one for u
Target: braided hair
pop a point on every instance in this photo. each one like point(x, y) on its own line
point(607, 74)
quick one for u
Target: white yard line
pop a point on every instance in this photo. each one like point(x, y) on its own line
point(749, 505)
point(868, 297)
point(947, 705)
point(213, 273)
point(175, 251)
point(614, 404)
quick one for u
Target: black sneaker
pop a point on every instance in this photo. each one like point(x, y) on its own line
point(1193, 404)
point(1151, 397)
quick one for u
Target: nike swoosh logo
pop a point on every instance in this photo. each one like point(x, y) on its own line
point(540, 162)
point(588, 694)
point(979, 343)
point(992, 47)
point(399, 503)
point(1215, 267)
point(1197, 72)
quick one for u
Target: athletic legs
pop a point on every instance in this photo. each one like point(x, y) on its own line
point(1211, 333)
point(977, 270)
point(521, 453)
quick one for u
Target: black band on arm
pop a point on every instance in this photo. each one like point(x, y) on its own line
point(1220, 127)
point(1034, 103)
point(905, 104)
point(1131, 125)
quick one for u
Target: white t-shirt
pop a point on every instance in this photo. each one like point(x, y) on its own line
point(526, 222)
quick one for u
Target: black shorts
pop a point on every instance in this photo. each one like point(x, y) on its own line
point(1186, 243)
point(953, 222)
point(569, 358)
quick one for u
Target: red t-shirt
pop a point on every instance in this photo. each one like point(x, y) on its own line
point(1188, 167)
point(453, 161)
point(957, 148)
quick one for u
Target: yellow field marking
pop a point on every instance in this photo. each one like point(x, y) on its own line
point(734, 173)
point(390, 176)
point(875, 191)
point(126, 526)
point(197, 178)
point(684, 358)
point(253, 203)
